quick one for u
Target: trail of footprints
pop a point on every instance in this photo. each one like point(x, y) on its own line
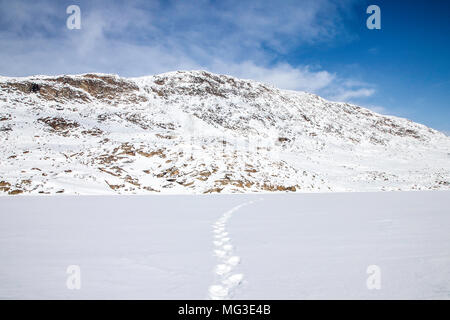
point(226, 280)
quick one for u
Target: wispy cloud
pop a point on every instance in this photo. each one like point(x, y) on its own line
point(348, 94)
point(135, 38)
point(377, 109)
point(281, 75)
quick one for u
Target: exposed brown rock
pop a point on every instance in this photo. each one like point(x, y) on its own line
point(5, 186)
point(114, 186)
point(16, 191)
point(214, 190)
point(93, 132)
point(59, 124)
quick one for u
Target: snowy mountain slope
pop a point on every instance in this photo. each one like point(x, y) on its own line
point(197, 132)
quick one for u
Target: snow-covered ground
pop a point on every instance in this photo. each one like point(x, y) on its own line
point(196, 132)
point(268, 246)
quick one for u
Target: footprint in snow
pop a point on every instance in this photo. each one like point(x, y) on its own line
point(226, 260)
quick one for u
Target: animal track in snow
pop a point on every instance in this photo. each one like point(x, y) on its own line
point(226, 281)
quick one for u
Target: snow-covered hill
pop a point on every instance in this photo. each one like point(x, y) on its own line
point(240, 246)
point(197, 132)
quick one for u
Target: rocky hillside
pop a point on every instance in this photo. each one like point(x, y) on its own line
point(197, 132)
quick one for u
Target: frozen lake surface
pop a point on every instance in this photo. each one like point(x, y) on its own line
point(261, 246)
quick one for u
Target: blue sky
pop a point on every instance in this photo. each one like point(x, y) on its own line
point(321, 46)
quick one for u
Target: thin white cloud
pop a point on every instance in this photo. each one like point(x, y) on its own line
point(281, 75)
point(377, 109)
point(139, 38)
point(349, 94)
